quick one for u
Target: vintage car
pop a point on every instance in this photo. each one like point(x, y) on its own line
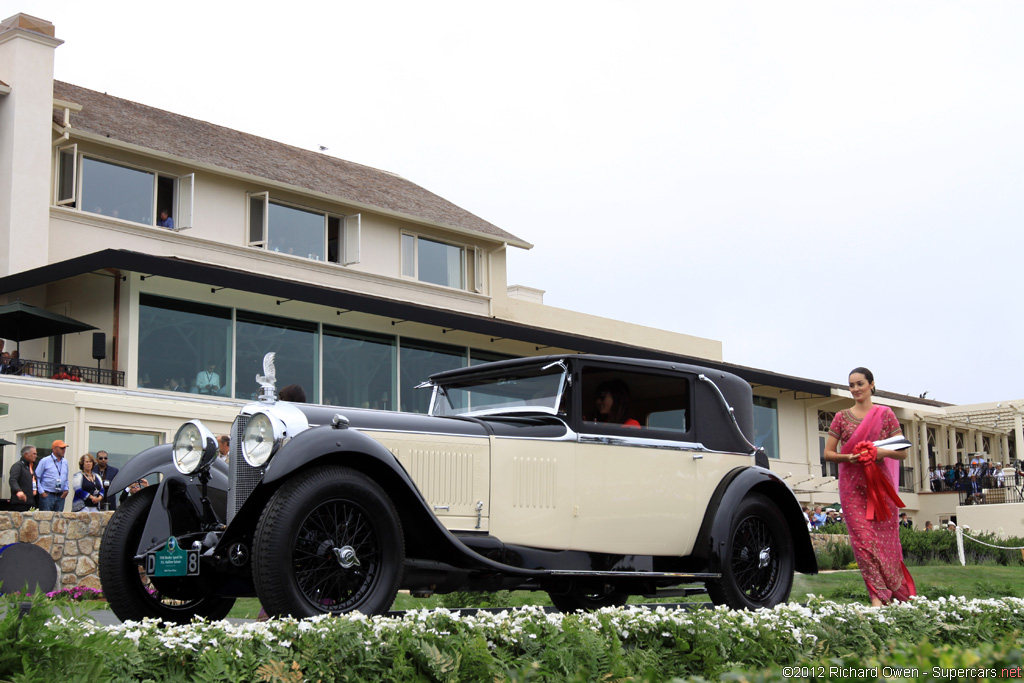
point(520, 477)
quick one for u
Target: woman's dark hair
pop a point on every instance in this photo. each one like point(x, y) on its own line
point(293, 393)
point(620, 401)
point(867, 375)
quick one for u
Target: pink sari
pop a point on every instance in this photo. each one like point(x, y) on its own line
point(876, 543)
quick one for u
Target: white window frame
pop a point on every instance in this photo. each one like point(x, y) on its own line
point(73, 199)
point(415, 269)
point(184, 186)
point(186, 197)
point(350, 225)
point(249, 197)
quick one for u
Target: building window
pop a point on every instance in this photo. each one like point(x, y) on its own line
point(359, 369)
point(477, 357)
point(184, 346)
point(766, 425)
point(121, 446)
point(43, 441)
point(295, 343)
point(417, 360)
point(4, 409)
point(121, 191)
point(435, 262)
point(317, 235)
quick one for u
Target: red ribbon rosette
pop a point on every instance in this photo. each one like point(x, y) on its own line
point(880, 489)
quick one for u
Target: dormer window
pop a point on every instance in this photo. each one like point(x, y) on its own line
point(441, 263)
point(298, 231)
point(117, 190)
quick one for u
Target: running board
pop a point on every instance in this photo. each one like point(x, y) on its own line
point(681, 576)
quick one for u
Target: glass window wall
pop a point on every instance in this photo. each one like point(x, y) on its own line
point(121, 446)
point(766, 425)
point(359, 369)
point(296, 344)
point(418, 360)
point(184, 346)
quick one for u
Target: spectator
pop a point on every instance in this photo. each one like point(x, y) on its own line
point(174, 385)
point(106, 474)
point(807, 517)
point(165, 219)
point(62, 373)
point(999, 476)
point(6, 368)
point(293, 393)
point(23, 481)
point(905, 521)
point(950, 477)
point(88, 485)
point(935, 475)
point(207, 381)
point(928, 525)
point(224, 448)
point(818, 518)
point(52, 478)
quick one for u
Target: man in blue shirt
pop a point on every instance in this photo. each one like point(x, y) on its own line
point(818, 518)
point(52, 476)
point(165, 220)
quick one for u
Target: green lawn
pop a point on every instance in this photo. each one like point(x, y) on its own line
point(844, 586)
point(977, 581)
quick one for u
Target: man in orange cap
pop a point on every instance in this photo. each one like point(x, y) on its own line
point(52, 476)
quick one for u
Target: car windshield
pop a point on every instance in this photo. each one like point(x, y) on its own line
point(536, 389)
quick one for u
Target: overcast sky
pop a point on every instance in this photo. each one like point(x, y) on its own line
point(818, 185)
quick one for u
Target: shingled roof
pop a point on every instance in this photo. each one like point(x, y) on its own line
point(207, 143)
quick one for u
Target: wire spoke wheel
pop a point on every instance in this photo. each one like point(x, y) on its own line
point(132, 594)
point(333, 535)
point(757, 562)
point(329, 541)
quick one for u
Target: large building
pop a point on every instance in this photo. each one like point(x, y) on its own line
point(193, 249)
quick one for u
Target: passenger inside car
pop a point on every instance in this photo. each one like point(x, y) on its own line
point(611, 404)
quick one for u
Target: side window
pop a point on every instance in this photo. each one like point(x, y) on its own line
point(654, 405)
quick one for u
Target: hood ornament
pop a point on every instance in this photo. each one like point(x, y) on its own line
point(268, 380)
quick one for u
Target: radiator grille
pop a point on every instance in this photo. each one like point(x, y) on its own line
point(242, 477)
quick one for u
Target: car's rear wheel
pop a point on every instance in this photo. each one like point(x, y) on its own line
point(757, 565)
point(587, 600)
point(329, 541)
point(134, 596)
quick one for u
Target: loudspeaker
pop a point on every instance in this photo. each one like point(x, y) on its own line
point(99, 345)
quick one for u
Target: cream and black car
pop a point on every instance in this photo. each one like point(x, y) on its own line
point(520, 477)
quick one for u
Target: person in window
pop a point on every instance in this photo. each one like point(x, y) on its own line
point(208, 381)
point(165, 220)
point(293, 393)
point(612, 404)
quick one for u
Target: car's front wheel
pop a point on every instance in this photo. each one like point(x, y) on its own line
point(329, 541)
point(131, 594)
point(757, 564)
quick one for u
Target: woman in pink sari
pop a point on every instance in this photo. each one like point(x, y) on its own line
point(872, 523)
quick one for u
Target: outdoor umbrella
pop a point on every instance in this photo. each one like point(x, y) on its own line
point(21, 322)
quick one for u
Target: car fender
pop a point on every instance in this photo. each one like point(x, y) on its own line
point(426, 536)
point(178, 506)
point(158, 459)
point(737, 484)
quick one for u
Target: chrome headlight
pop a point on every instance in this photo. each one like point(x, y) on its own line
point(194, 448)
point(262, 437)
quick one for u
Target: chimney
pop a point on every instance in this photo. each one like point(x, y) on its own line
point(27, 46)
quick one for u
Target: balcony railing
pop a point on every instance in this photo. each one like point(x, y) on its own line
point(70, 373)
point(992, 496)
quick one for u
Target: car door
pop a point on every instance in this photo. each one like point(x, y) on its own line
point(636, 485)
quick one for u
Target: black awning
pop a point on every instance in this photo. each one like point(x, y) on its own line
point(219, 276)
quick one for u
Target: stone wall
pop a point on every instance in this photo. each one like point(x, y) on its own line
point(71, 538)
